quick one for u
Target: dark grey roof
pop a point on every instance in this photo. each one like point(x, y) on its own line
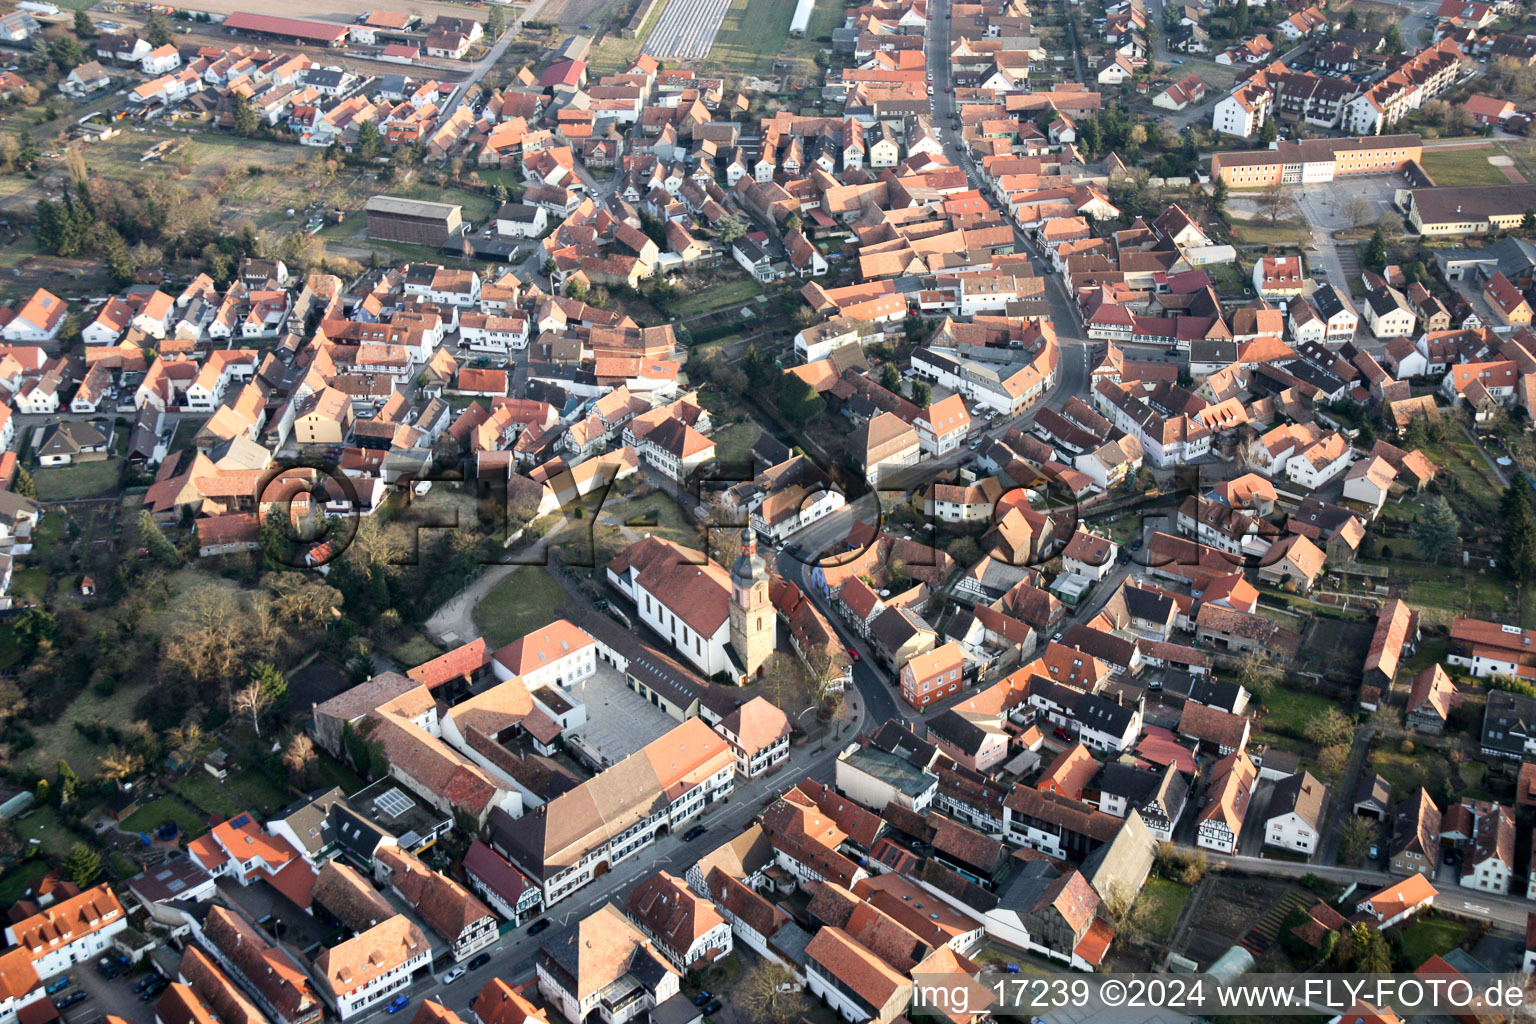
point(1022, 890)
point(1385, 300)
point(1148, 604)
point(955, 729)
point(1216, 693)
point(1508, 721)
point(1135, 785)
point(1328, 300)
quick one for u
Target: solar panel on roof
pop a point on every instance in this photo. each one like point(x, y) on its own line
point(392, 802)
point(240, 821)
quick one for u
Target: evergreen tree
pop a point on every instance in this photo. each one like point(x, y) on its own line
point(1518, 539)
point(922, 394)
point(1089, 137)
point(1528, 222)
point(730, 228)
point(118, 259)
point(1436, 529)
point(155, 540)
point(495, 23)
point(157, 31)
point(273, 684)
point(1393, 39)
point(369, 142)
point(69, 782)
point(24, 485)
point(82, 866)
point(1268, 132)
point(245, 117)
point(1241, 19)
point(66, 53)
point(1219, 195)
point(84, 27)
point(890, 378)
point(1376, 250)
point(797, 400)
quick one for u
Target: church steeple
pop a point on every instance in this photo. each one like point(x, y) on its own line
point(752, 621)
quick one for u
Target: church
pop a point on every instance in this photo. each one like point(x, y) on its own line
point(721, 623)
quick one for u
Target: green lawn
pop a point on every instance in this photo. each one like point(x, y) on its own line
point(522, 603)
point(82, 480)
point(53, 840)
point(1260, 230)
point(1463, 166)
point(1163, 899)
point(157, 812)
point(750, 37)
point(825, 16)
point(726, 293)
point(655, 513)
point(1429, 937)
point(245, 791)
point(735, 442)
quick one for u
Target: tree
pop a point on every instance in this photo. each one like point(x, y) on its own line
point(153, 538)
point(369, 142)
point(245, 117)
point(1329, 727)
point(1258, 673)
point(1517, 555)
point(118, 763)
point(798, 402)
point(249, 700)
point(1355, 838)
point(1392, 39)
point(1269, 131)
point(66, 53)
point(274, 685)
point(793, 222)
point(922, 394)
point(890, 378)
point(495, 23)
point(1275, 200)
point(1528, 221)
point(188, 743)
point(1376, 250)
point(729, 228)
point(769, 993)
point(82, 866)
point(1219, 195)
point(1241, 19)
point(24, 485)
point(84, 27)
point(1369, 950)
point(157, 31)
point(1332, 762)
point(1357, 210)
point(69, 782)
point(1137, 137)
point(1436, 528)
point(299, 758)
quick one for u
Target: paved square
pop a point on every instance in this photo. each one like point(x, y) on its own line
point(619, 720)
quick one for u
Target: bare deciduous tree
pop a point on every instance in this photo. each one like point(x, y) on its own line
point(118, 763)
point(250, 700)
point(769, 993)
point(1276, 202)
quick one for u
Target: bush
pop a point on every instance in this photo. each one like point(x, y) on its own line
point(1405, 747)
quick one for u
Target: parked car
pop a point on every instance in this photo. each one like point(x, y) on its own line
point(479, 961)
point(713, 1007)
point(694, 833)
point(538, 926)
point(453, 975)
point(702, 998)
point(59, 984)
point(71, 999)
point(145, 982)
point(854, 655)
point(153, 990)
point(107, 968)
point(397, 1004)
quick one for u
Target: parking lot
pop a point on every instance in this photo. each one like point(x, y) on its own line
point(104, 998)
point(619, 720)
